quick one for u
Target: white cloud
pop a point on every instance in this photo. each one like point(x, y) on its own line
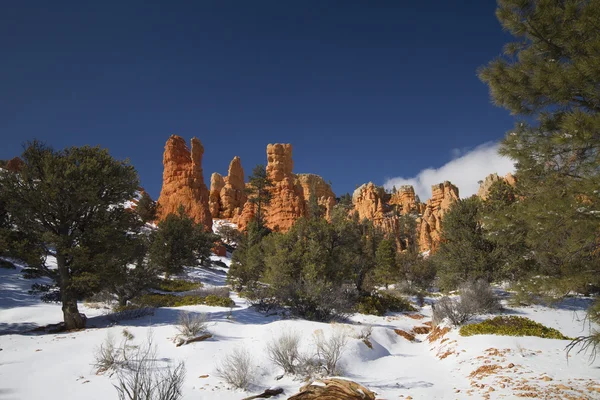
point(464, 171)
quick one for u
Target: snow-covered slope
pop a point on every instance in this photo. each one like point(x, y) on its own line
point(52, 366)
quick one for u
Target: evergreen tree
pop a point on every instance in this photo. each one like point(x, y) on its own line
point(345, 200)
point(179, 242)
point(465, 254)
point(386, 270)
point(69, 203)
point(247, 261)
point(259, 191)
point(315, 210)
point(549, 79)
point(146, 208)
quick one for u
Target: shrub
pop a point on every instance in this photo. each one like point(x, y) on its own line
point(177, 285)
point(191, 325)
point(171, 300)
point(143, 380)
point(479, 297)
point(218, 301)
point(511, 326)
point(380, 303)
point(106, 356)
point(236, 368)
point(110, 357)
point(453, 309)
point(7, 265)
point(261, 297)
point(284, 352)
point(129, 312)
point(329, 350)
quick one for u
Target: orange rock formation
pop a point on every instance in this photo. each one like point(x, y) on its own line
point(290, 192)
point(183, 182)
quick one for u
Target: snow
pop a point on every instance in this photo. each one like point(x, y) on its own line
point(50, 366)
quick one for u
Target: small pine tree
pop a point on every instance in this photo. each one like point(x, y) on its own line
point(146, 208)
point(259, 191)
point(179, 242)
point(386, 271)
point(465, 253)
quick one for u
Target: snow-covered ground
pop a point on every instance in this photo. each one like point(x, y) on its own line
point(53, 366)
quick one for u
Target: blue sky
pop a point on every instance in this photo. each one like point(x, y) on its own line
point(364, 90)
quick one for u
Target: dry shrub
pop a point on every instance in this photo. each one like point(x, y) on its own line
point(236, 368)
point(284, 351)
point(191, 325)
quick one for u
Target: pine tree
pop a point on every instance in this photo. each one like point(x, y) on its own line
point(549, 78)
point(179, 242)
point(465, 253)
point(259, 191)
point(386, 270)
point(146, 208)
point(315, 210)
point(69, 203)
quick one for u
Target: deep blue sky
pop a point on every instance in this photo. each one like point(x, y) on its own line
point(364, 90)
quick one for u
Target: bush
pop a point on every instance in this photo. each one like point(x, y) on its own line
point(453, 309)
point(329, 351)
point(110, 357)
point(7, 265)
point(479, 297)
point(129, 312)
point(236, 368)
point(218, 301)
point(171, 300)
point(191, 325)
point(511, 326)
point(143, 380)
point(177, 285)
point(284, 352)
point(380, 303)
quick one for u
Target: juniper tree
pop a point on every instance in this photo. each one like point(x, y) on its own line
point(70, 203)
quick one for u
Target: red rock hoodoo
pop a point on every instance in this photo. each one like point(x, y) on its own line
point(183, 182)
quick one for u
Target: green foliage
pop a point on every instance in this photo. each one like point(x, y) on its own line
point(71, 201)
point(549, 78)
point(146, 208)
point(465, 253)
point(247, 261)
point(176, 285)
point(345, 200)
point(379, 303)
point(511, 326)
point(258, 190)
point(315, 210)
point(316, 269)
point(171, 300)
point(386, 270)
point(229, 234)
point(179, 242)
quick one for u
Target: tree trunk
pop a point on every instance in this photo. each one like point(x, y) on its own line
point(73, 319)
